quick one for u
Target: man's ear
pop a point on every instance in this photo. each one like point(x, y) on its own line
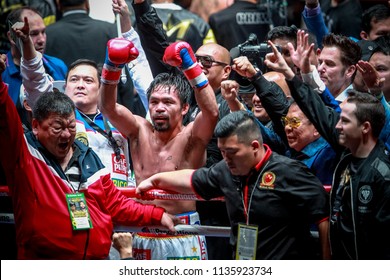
point(255, 145)
point(227, 70)
point(34, 126)
point(26, 106)
point(366, 127)
point(351, 70)
point(316, 133)
point(318, 51)
point(364, 35)
point(185, 109)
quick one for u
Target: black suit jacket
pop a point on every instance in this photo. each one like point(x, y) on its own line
point(79, 36)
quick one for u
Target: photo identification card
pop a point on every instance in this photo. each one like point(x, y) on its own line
point(246, 242)
point(78, 211)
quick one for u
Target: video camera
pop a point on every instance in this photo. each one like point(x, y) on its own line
point(254, 51)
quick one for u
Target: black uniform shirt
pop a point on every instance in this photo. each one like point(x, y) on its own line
point(286, 200)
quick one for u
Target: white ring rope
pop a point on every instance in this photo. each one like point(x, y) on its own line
point(164, 195)
point(180, 229)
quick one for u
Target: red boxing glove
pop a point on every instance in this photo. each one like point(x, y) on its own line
point(119, 52)
point(180, 54)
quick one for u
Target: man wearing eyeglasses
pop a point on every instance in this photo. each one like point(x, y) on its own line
point(292, 125)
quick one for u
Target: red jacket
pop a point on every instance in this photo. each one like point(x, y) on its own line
point(38, 187)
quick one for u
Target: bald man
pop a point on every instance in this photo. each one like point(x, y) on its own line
point(214, 61)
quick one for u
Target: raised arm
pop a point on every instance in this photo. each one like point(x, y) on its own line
point(271, 95)
point(374, 84)
point(310, 76)
point(314, 20)
point(181, 55)
point(11, 131)
point(229, 91)
point(119, 52)
point(323, 118)
point(35, 79)
point(139, 68)
point(152, 35)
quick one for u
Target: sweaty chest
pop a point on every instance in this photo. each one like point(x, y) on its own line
point(151, 157)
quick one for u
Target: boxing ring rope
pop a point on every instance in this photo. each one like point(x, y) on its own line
point(180, 229)
point(154, 194)
point(7, 218)
point(164, 195)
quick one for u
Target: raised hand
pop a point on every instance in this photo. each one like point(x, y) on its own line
point(229, 90)
point(119, 7)
point(22, 29)
point(370, 77)
point(244, 67)
point(301, 55)
point(276, 62)
point(181, 55)
point(22, 39)
point(119, 52)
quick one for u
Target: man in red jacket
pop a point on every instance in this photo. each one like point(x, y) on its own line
point(47, 171)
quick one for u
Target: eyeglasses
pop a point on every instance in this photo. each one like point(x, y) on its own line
point(207, 61)
point(292, 122)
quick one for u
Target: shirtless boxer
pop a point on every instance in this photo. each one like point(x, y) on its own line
point(164, 144)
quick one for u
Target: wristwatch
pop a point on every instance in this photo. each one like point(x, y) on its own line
point(256, 76)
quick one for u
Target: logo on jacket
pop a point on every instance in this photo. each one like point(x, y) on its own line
point(82, 137)
point(365, 194)
point(267, 181)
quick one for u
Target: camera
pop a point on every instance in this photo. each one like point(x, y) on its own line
point(254, 51)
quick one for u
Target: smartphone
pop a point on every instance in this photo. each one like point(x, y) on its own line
point(14, 38)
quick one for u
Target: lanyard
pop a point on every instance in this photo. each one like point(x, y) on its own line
point(246, 200)
point(108, 136)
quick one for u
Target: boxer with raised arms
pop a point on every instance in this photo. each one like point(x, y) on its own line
point(164, 144)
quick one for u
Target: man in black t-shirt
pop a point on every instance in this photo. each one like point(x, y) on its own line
point(233, 25)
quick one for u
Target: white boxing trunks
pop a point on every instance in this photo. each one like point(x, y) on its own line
point(151, 246)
